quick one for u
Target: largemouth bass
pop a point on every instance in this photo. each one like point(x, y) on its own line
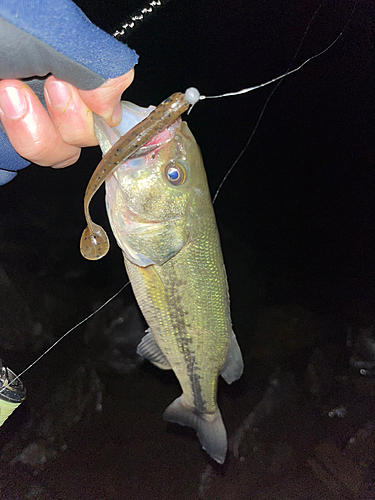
point(160, 211)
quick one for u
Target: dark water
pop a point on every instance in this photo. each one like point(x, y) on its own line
point(296, 218)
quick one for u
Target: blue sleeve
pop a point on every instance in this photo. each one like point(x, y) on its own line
point(39, 37)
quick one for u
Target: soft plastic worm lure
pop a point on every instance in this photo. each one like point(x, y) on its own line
point(94, 240)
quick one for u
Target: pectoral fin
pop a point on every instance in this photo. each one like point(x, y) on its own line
point(233, 367)
point(149, 349)
point(210, 428)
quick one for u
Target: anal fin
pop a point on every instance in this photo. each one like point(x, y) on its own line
point(149, 349)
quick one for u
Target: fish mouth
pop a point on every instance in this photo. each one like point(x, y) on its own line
point(132, 218)
point(158, 140)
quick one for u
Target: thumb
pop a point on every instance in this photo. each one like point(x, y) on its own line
point(104, 100)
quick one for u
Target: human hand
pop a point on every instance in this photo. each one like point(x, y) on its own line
point(85, 57)
point(55, 138)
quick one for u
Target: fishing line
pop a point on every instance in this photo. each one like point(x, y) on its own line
point(17, 377)
point(278, 79)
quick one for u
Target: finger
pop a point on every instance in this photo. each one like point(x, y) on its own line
point(30, 129)
point(104, 101)
point(72, 118)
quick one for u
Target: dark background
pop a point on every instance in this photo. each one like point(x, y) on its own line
point(296, 215)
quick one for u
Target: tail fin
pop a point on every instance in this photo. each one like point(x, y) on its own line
point(210, 428)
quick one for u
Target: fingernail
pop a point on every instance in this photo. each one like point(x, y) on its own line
point(13, 103)
point(117, 114)
point(58, 94)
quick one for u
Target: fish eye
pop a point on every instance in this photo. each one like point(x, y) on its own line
point(175, 174)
